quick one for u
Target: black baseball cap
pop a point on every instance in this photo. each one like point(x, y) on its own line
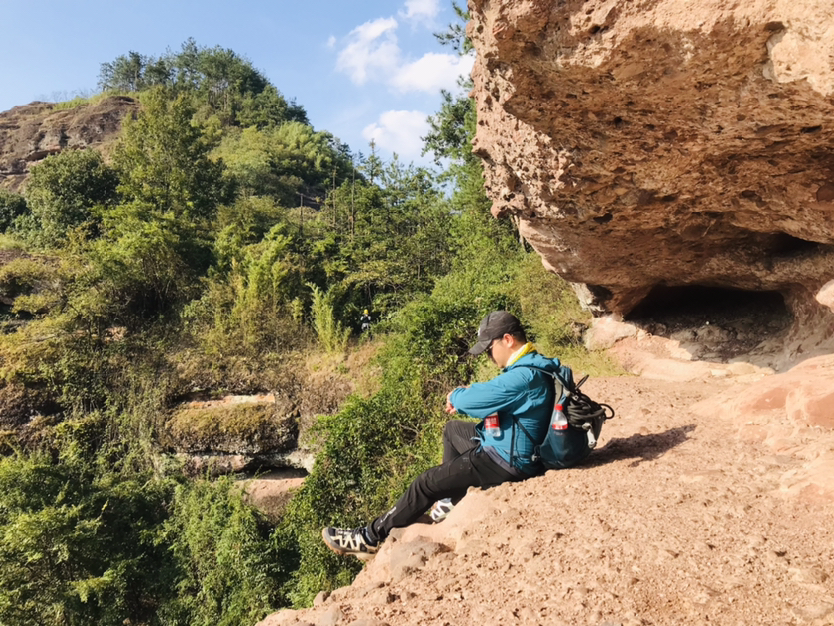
point(494, 326)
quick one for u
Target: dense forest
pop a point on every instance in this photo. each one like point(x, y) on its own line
point(221, 243)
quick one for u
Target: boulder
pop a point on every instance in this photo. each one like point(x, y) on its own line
point(825, 296)
point(234, 425)
point(792, 413)
point(270, 493)
point(235, 434)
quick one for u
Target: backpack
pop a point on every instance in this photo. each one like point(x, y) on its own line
point(567, 447)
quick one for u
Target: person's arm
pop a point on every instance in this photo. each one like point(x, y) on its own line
point(482, 399)
point(449, 408)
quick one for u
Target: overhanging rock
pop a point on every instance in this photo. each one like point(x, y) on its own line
point(663, 142)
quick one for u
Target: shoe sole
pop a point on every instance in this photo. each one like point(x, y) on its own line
point(362, 556)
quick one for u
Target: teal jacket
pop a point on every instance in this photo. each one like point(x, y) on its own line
point(521, 392)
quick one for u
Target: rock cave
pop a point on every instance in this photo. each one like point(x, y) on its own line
point(723, 323)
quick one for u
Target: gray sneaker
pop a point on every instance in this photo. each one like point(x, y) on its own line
point(441, 509)
point(349, 541)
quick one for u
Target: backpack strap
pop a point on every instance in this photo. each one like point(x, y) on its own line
point(535, 456)
point(516, 420)
point(554, 376)
point(579, 408)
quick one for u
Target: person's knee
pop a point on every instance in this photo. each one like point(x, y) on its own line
point(453, 426)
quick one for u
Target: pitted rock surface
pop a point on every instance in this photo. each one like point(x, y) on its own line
point(663, 142)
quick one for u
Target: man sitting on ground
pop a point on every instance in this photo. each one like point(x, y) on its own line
point(474, 455)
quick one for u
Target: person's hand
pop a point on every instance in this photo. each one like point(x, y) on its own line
point(449, 408)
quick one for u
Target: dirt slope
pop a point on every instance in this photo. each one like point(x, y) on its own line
point(690, 513)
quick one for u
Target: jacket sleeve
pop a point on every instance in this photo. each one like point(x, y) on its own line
point(482, 399)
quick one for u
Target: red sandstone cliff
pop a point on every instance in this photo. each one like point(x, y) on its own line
point(30, 133)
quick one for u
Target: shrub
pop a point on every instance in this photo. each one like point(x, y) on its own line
point(12, 205)
point(331, 334)
point(63, 192)
point(141, 270)
point(22, 276)
point(246, 312)
point(90, 536)
point(77, 546)
point(228, 569)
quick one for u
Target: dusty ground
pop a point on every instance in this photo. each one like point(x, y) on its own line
point(709, 502)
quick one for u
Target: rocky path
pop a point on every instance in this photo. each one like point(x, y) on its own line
point(678, 519)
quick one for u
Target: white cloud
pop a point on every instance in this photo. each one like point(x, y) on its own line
point(400, 132)
point(372, 51)
point(331, 41)
point(432, 72)
point(421, 9)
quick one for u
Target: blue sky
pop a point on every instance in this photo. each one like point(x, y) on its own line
point(362, 69)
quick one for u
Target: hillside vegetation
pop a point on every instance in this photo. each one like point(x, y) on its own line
point(225, 242)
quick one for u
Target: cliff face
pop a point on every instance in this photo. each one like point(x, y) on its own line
point(30, 133)
point(663, 143)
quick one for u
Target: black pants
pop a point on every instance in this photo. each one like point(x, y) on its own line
point(465, 465)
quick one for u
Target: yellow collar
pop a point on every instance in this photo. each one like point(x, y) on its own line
point(525, 349)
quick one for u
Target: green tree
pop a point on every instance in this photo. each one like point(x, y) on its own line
point(453, 127)
point(331, 334)
point(186, 65)
point(452, 131)
point(269, 108)
point(219, 82)
point(455, 34)
point(372, 165)
point(64, 191)
point(384, 242)
point(284, 161)
point(163, 160)
point(125, 73)
point(270, 278)
point(225, 78)
point(158, 72)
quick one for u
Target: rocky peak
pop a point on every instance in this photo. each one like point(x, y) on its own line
point(30, 133)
